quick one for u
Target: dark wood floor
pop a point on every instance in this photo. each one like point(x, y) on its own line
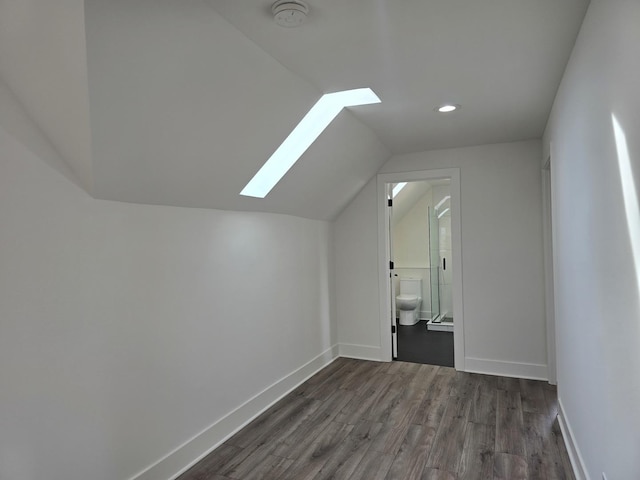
point(418, 345)
point(373, 421)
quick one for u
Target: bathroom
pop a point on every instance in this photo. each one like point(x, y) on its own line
point(421, 252)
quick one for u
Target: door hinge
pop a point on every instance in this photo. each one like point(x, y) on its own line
point(389, 203)
point(393, 329)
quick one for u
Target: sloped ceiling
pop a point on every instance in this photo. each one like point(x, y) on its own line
point(43, 62)
point(185, 109)
point(188, 98)
point(411, 194)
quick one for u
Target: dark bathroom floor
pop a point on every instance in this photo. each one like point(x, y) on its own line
point(418, 345)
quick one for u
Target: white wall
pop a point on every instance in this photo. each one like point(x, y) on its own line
point(501, 249)
point(125, 330)
point(356, 275)
point(596, 241)
point(411, 235)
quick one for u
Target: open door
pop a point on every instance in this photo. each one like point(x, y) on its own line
point(392, 275)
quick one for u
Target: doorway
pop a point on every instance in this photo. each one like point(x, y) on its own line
point(434, 273)
point(420, 249)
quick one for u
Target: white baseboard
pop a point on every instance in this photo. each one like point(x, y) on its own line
point(577, 463)
point(532, 371)
point(362, 352)
point(193, 450)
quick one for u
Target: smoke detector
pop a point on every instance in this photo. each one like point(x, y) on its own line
point(290, 13)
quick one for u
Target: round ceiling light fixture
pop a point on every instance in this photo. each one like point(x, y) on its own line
point(289, 13)
point(447, 108)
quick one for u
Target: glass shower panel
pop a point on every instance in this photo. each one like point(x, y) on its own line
point(444, 288)
point(434, 263)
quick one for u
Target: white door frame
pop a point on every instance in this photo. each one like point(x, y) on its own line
point(392, 283)
point(549, 299)
point(383, 256)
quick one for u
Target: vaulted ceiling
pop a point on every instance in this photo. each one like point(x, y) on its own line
point(179, 102)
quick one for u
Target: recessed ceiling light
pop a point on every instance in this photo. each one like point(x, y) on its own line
point(303, 135)
point(447, 108)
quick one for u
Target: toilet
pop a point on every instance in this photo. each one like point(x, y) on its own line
point(409, 300)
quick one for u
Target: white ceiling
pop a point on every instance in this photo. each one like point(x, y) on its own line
point(187, 98)
point(502, 60)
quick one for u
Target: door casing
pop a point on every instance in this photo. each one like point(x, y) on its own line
point(453, 174)
point(547, 226)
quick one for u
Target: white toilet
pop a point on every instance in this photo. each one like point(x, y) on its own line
point(409, 300)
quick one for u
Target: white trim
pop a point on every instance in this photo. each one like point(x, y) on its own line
point(533, 371)
point(193, 450)
point(362, 352)
point(549, 300)
point(577, 462)
point(388, 345)
point(384, 295)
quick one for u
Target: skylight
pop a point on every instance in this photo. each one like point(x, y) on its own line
point(443, 212)
point(441, 202)
point(396, 190)
point(303, 135)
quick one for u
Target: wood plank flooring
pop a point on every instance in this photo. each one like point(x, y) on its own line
point(362, 420)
